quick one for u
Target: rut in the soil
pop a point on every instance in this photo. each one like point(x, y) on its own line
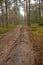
point(22, 53)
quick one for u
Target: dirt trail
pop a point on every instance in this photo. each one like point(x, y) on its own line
point(7, 42)
point(21, 52)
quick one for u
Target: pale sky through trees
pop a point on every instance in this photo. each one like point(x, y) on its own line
point(32, 1)
point(21, 10)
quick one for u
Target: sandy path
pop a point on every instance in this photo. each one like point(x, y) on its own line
point(22, 53)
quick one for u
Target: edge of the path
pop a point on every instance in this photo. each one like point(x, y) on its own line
point(5, 47)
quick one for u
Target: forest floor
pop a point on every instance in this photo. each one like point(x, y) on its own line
point(16, 48)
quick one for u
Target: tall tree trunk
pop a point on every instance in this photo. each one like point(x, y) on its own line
point(36, 12)
point(9, 15)
point(6, 14)
point(2, 14)
point(29, 13)
point(39, 11)
point(25, 15)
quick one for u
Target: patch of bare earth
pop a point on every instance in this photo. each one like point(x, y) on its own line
point(7, 42)
point(16, 48)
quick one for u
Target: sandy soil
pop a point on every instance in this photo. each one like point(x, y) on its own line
point(16, 48)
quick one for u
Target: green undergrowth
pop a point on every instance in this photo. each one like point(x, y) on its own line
point(37, 30)
point(6, 29)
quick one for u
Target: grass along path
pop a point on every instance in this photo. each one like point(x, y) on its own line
point(4, 29)
point(38, 30)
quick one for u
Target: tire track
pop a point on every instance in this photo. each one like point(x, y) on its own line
point(22, 51)
point(15, 43)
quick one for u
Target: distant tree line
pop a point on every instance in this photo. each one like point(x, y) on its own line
point(9, 12)
point(10, 9)
point(33, 11)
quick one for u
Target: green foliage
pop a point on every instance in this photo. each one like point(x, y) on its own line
point(1, 1)
point(4, 29)
point(37, 30)
point(21, 19)
point(41, 20)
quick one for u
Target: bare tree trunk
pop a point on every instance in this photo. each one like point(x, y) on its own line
point(36, 12)
point(25, 15)
point(39, 10)
point(9, 16)
point(29, 13)
point(2, 14)
point(6, 14)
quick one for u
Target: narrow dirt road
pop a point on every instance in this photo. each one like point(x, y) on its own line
point(19, 52)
